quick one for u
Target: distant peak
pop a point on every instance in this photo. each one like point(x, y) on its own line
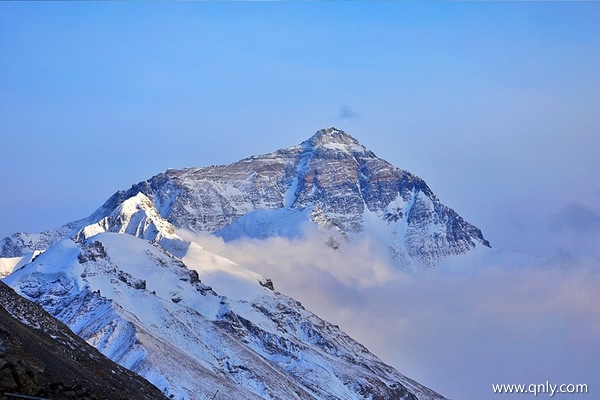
point(138, 202)
point(135, 216)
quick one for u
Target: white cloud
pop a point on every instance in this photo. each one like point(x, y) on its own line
point(458, 333)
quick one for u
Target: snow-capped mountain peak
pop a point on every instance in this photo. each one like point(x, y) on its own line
point(334, 139)
point(331, 173)
point(136, 216)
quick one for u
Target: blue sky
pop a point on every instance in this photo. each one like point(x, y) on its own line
point(494, 104)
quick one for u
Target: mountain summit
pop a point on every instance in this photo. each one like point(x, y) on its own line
point(330, 181)
point(334, 139)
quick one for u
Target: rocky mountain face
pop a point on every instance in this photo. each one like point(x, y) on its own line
point(340, 184)
point(194, 324)
point(40, 356)
point(330, 180)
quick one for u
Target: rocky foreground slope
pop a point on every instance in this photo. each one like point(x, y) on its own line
point(40, 356)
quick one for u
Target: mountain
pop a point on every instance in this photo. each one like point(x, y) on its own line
point(329, 182)
point(194, 324)
point(197, 325)
point(40, 356)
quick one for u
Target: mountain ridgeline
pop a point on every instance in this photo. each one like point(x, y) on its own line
point(330, 180)
point(333, 180)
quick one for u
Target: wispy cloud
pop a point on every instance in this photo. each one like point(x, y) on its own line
point(576, 217)
point(575, 231)
point(346, 112)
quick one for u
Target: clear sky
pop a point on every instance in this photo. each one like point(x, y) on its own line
point(495, 104)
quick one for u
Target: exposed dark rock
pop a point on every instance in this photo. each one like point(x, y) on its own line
point(268, 283)
point(91, 252)
point(41, 357)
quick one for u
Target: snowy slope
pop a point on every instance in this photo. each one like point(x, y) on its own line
point(10, 264)
point(194, 323)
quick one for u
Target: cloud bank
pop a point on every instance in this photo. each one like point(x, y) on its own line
point(457, 332)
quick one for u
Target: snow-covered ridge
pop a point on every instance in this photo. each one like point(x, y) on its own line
point(136, 216)
point(219, 325)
